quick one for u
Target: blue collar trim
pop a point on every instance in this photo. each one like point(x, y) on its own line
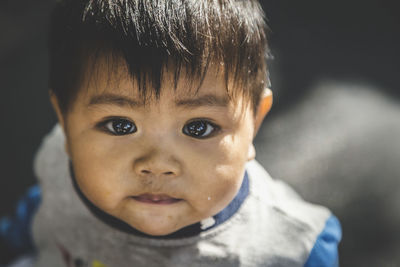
point(235, 204)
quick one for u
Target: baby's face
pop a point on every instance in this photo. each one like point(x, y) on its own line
point(162, 166)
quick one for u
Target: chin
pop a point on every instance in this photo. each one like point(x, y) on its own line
point(158, 231)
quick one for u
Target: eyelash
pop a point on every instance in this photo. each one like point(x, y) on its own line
point(201, 122)
point(192, 128)
point(106, 127)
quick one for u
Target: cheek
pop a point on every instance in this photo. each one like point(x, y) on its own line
point(99, 175)
point(216, 190)
point(226, 157)
point(217, 173)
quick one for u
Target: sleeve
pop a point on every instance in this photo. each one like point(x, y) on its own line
point(325, 250)
point(15, 232)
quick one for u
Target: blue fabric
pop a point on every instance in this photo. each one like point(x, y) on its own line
point(325, 250)
point(16, 231)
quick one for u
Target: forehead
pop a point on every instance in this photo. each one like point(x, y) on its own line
point(106, 78)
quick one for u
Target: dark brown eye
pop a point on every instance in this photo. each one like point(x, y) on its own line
point(199, 129)
point(120, 126)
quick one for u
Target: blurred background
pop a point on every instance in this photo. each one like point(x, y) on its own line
point(333, 133)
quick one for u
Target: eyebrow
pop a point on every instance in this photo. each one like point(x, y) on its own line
point(113, 99)
point(204, 100)
point(123, 101)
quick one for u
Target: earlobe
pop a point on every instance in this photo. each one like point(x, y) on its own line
point(263, 108)
point(251, 153)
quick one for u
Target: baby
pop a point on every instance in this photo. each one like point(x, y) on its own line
point(152, 162)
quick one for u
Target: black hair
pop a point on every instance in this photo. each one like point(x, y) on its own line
point(151, 35)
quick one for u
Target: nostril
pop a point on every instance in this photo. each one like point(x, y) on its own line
point(150, 172)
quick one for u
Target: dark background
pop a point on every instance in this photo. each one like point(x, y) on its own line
point(333, 133)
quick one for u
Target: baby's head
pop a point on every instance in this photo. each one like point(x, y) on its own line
point(160, 102)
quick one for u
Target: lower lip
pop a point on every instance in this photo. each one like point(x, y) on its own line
point(157, 202)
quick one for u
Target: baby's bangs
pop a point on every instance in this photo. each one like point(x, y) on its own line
point(154, 36)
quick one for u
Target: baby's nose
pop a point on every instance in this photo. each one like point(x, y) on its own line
point(157, 165)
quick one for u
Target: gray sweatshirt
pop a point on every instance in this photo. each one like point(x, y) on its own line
point(273, 226)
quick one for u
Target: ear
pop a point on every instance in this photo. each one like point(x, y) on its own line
point(60, 117)
point(263, 108)
point(57, 109)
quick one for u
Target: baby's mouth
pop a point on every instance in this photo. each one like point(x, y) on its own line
point(156, 199)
